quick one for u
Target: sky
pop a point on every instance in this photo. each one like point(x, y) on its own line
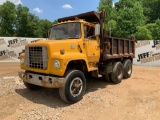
point(54, 9)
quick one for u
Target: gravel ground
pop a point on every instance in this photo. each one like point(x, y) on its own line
point(136, 98)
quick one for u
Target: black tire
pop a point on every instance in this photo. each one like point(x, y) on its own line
point(74, 88)
point(31, 86)
point(127, 68)
point(117, 73)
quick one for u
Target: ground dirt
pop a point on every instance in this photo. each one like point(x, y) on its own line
point(136, 98)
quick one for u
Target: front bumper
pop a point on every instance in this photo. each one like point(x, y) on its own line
point(42, 80)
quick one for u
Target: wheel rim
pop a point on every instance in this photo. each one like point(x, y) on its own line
point(76, 87)
point(129, 68)
point(119, 72)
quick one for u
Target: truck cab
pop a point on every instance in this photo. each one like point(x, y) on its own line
point(82, 37)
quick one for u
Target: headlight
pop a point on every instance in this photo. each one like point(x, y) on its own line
point(21, 60)
point(56, 64)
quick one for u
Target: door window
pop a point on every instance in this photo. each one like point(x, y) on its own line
point(89, 32)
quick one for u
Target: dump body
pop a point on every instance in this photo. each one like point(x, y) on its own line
point(118, 48)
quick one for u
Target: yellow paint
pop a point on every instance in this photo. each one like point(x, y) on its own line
point(90, 54)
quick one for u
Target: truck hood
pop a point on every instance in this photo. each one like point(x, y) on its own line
point(68, 45)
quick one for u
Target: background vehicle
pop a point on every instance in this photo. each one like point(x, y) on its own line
point(77, 47)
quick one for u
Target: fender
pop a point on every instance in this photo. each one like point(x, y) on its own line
point(65, 59)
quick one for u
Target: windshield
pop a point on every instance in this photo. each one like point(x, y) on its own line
point(65, 31)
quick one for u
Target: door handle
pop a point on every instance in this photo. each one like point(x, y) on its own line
point(80, 50)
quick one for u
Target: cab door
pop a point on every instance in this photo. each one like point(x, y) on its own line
point(92, 46)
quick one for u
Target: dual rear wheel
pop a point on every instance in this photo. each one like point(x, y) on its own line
point(119, 71)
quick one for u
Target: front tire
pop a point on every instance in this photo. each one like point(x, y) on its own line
point(74, 88)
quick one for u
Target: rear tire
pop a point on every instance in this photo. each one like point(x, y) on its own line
point(74, 88)
point(31, 86)
point(127, 68)
point(117, 73)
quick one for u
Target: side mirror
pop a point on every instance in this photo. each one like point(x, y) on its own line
point(97, 29)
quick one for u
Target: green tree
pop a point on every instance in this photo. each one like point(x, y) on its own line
point(29, 25)
point(123, 4)
point(154, 28)
point(128, 19)
point(124, 17)
point(156, 32)
point(54, 22)
point(18, 21)
point(21, 20)
point(45, 25)
point(111, 27)
point(143, 33)
point(109, 7)
point(33, 28)
point(151, 28)
point(7, 19)
point(151, 10)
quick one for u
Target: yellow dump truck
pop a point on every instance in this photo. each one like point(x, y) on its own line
point(77, 47)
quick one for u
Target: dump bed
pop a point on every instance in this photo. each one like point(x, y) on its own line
point(118, 48)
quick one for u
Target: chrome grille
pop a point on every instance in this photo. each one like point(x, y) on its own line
point(36, 57)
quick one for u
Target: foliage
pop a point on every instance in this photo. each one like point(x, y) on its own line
point(156, 32)
point(21, 21)
point(111, 27)
point(7, 19)
point(55, 22)
point(129, 18)
point(18, 21)
point(151, 10)
point(143, 33)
